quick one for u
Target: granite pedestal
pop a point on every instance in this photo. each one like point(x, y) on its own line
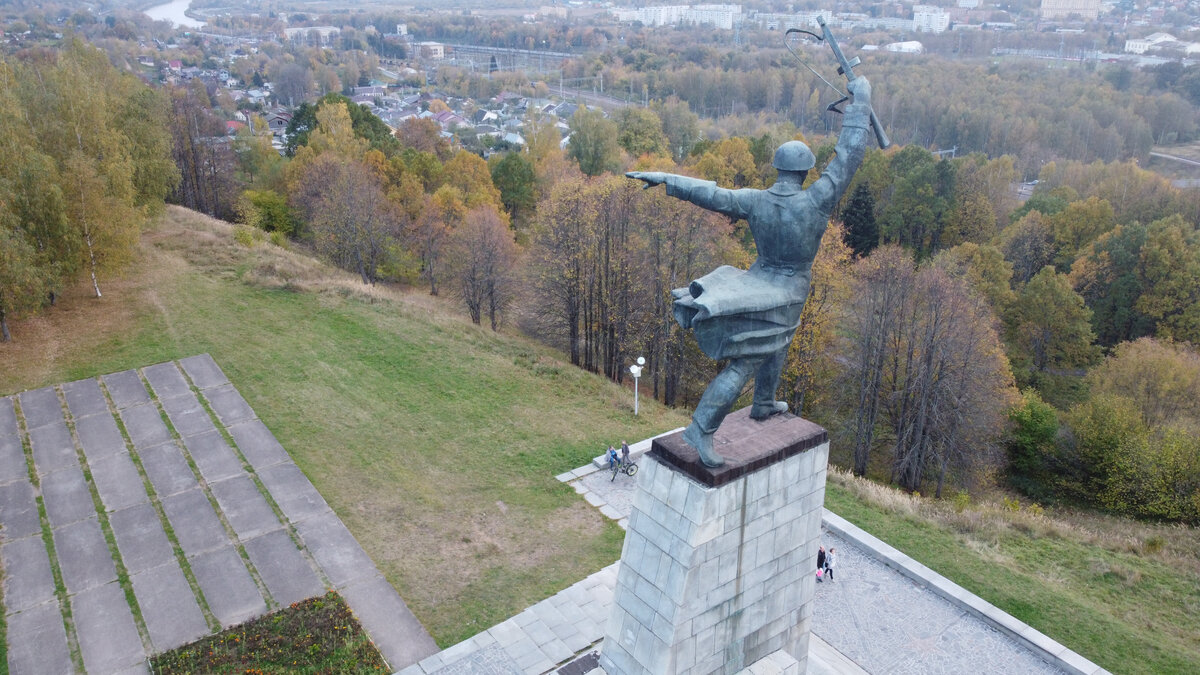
point(717, 570)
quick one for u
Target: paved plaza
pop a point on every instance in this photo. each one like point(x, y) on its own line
point(142, 510)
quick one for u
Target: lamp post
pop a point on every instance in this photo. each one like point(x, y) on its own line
point(636, 371)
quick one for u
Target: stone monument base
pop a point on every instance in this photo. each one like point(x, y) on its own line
point(718, 567)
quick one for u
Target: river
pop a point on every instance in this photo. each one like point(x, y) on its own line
point(174, 11)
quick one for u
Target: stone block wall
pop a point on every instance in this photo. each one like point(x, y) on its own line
point(714, 579)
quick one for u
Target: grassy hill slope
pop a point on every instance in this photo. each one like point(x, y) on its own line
point(435, 440)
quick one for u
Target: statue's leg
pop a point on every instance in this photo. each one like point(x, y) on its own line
point(714, 405)
point(766, 382)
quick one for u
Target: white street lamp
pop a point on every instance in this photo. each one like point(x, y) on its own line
point(636, 371)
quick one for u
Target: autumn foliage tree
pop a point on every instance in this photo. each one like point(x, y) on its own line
point(483, 264)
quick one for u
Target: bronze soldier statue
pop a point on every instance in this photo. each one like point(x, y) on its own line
point(749, 317)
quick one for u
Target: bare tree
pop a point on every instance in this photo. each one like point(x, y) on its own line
point(926, 360)
point(484, 255)
point(350, 218)
point(202, 151)
point(881, 285)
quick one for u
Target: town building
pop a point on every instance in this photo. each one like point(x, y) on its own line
point(1063, 9)
point(718, 16)
point(930, 19)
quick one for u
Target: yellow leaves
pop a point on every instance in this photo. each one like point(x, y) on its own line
point(810, 355)
point(730, 164)
point(469, 173)
point(334, 133)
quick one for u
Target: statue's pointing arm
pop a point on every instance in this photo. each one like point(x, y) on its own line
point(851, 147)
point(703, 193)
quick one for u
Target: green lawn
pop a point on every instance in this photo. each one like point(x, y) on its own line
point(436, 441)
point(1124, 605)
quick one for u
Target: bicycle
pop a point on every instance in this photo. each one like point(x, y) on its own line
point(628, 468)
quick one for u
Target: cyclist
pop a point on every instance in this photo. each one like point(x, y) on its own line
point(613, 459)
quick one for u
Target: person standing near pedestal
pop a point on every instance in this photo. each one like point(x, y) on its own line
point(748, 317)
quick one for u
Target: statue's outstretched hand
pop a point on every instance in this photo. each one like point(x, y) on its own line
point(860, 87)
point(651, 178)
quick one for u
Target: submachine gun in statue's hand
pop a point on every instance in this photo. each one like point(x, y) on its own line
point(845, 67)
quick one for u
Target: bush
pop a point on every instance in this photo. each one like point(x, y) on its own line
point(267, 210)
point(961, 501)
point(1031, 445)
point(243, 235)
point(1132, 469)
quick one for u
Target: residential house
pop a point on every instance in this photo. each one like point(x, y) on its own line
point(278, 122)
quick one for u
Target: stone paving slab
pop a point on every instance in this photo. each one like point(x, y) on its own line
point(12, 455)
point(194, 522)
point(99, 437)
point(18, 510)
point(396, 632)
point(335, 550)
point(230, 592)
point(126, 389)
point(53, 448)
point(108, 638)
point(293, 492)
point(213, 456)
point(166, 381)
point(145, 426)
point(187, 415)
point(83, 556)
point(37, 642)
point(204, 371)
point(40, 407)
point(229, 405)
point(167, 469)
point(28, 580)
point(172, 616)
point(244, 506)
point(118, 482)
point(84, 398)
point(258, 445)
point(8, 417)
point(66, 496)
point(281, 566)
point(140, 538)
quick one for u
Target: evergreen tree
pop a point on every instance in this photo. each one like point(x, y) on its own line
point(862, 232)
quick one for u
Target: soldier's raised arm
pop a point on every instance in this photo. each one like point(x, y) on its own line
point(850, 149)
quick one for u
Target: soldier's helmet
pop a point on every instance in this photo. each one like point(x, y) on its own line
point(794, 156)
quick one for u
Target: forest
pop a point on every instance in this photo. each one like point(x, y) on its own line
point(956, 339)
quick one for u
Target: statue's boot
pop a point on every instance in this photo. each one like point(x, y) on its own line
point(766, 381)
point(761, 411)
point(703, 443)
point(714, 405)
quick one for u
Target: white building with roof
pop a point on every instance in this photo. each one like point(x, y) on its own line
point(1141, 45)
point(930, 19)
